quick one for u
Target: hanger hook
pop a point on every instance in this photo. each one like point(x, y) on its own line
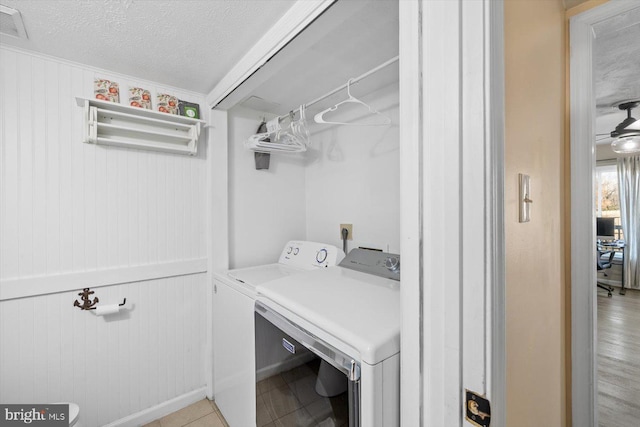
point(349, 87)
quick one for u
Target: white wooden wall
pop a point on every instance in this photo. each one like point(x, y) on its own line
point(75, 215)
point(112, 366)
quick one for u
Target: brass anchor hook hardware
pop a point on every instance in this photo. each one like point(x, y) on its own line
point(87, 304)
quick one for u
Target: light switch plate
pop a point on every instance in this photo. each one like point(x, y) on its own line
point(525, 197)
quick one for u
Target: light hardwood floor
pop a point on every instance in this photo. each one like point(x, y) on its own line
point(619, 359)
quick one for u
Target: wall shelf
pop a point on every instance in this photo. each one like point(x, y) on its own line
point(108, 123)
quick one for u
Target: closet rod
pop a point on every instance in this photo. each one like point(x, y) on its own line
point(354, 80)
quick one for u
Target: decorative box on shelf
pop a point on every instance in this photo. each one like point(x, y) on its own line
point(109, 123)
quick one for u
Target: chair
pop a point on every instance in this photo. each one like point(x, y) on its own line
point(603, 266)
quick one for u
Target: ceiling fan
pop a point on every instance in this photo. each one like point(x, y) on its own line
point(626, 136)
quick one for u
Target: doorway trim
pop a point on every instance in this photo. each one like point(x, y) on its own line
point(584, 379)
point(452, 210)
point(292, 23)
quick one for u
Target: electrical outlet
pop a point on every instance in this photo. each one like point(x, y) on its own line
point(349, 228)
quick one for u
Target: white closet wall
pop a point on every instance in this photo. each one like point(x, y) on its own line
point(350, 174)
point(266, 207)
point(74, 212)
point(354, 178)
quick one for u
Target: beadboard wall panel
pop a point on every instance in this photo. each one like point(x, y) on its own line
point(67, 206)
point(111, 366)
point(76, 214)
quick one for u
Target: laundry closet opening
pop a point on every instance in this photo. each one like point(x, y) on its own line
point(313, 148)
point(348, 173)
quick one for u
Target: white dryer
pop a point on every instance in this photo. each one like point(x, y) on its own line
point(233, 324)
point(344, 319)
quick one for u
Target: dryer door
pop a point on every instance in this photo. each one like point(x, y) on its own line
point(300, 379)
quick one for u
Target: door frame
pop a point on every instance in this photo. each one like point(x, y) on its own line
point(584, 379)
point(452, 209)
point(459, 342)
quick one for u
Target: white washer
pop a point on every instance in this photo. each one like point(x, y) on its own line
point(233, 324)
point(348, 316)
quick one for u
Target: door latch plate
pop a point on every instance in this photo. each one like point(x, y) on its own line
point(477, 409)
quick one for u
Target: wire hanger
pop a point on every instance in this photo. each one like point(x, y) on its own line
point(351, 100)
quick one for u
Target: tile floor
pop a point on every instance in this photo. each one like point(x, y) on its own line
point(204, 413)
point(289, 399)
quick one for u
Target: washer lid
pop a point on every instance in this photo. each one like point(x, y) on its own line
point(254, 276)
point(359, 309)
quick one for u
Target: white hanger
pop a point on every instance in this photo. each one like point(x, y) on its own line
point(277, 139)
point(258, 143)
point(351, 100)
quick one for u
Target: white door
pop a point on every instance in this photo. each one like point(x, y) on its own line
point(451, 138)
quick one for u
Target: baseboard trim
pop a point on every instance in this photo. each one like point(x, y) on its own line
point(158, 411)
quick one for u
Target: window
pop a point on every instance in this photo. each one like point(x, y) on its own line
point(607, 202)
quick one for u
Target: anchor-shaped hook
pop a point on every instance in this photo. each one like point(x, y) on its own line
point(87, 304)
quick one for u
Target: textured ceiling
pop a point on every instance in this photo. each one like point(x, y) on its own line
point(189, 44)
point(616, 58)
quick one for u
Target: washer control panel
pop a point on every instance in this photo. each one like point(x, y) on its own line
point(310, 254)
point(370, 261)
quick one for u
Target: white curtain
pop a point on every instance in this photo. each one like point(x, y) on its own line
point(629, 192)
